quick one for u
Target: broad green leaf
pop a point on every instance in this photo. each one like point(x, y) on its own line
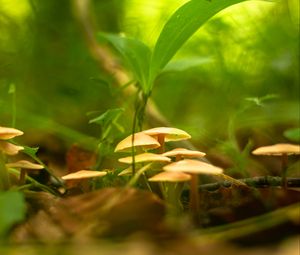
point(12, 211)
point(293, 134)
point(185, 64)
point(180, 27)
point(135, 53)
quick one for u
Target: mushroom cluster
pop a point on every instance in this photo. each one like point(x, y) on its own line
point(182, 168)
point(10, 149)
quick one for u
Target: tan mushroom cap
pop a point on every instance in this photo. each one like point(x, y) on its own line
point(184, 153)
point(140, 140)
point(83, 174)
point(170, 177)
point(278, 149)
point(25, 165)
point(9, 133)
point(145, 157)
point(171, 134)
point(9, 148)
point(193, 167)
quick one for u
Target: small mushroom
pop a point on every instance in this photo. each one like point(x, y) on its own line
point(25, 166)
point(180, 153)
point(171, 191)
point(78, 177)
point(167, 134)
point(9, 148)
point(283, 150)
point(139, 140)
point(143, 158)
point(193, 167)
point(7, 133)
point(170, 177)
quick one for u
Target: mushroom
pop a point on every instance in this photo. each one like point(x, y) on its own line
point(139, 140)
point(167, 134)
point(173, 190)
point(193, 167)
point(25, 166)
point(283, 150)
point(7, 133)
point(180, 153)
point(9, 148)
point(78, 177)
point(143, 158)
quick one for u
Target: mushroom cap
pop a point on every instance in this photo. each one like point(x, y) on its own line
point(145, 157)
point(25, 165)
point(278, 149)
point(193, 167)
point(171, 134)
point(9, 133)
point(170, 177)
point(140, 140)
point(184, 152)
point(9, 148)
point(83, 174)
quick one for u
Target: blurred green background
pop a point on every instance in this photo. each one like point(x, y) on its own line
point(251, 52)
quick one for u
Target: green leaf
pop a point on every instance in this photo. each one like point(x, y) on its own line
point(293, 134)
point(108, 117)
point(12, 211)
point(30, 151)
point(185, 64)
point(180, 27)
point(135, 53)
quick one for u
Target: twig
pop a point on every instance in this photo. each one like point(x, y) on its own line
point(257, 182)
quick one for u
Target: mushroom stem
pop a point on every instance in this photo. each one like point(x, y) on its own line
point(178, 157)
point(194, 199)
point(22, 176)
point(284, 163)
point(161, 140)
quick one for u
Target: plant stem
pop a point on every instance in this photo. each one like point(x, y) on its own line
point(34, 183)
point(161, 140)
point(22, 176)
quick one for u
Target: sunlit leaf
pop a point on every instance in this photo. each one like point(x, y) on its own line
point(181, 26)
point(135, 53)
point(185, 64)
point(12, 211)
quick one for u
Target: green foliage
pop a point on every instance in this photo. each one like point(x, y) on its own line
point(293, 134)
point(185, 64)
point(136, 54)
point(12, 211)
point(31, 152)
point(108, 119)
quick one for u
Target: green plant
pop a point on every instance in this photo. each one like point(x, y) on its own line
point(146, 64)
